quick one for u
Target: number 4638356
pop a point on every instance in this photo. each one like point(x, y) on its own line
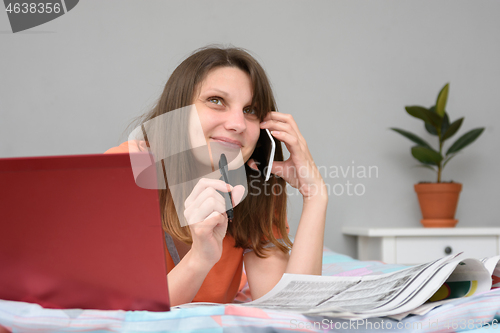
point(32, 8)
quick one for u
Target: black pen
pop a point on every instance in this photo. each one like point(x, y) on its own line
point(225, 177)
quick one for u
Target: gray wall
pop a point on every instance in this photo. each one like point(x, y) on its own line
point(343, 69)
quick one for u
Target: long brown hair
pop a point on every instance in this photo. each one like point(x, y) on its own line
point(263, 207)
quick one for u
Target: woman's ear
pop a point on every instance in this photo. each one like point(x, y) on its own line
point(251, 163)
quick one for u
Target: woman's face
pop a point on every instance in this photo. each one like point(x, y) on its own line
point(224, 111)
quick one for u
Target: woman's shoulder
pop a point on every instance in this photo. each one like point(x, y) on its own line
point(128, 147)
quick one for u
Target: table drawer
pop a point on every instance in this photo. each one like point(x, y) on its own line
point(415, 250)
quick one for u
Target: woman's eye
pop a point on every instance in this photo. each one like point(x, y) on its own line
point(215, 100)
point(250, 111)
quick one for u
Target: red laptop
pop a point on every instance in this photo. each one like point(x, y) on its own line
point(77, 232)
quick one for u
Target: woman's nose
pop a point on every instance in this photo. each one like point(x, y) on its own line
point(235, 120)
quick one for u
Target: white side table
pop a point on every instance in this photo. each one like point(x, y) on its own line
point(409, 246)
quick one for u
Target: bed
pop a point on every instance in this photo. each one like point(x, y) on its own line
point(479, 313)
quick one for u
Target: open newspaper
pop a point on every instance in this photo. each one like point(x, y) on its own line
point(393, 294)
point(412, 290)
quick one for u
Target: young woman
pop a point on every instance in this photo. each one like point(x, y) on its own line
point(235, 103)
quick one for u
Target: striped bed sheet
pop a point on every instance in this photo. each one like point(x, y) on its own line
point(479, 313)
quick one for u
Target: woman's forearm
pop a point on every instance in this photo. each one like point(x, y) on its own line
point(307, 251)
point(185, 279)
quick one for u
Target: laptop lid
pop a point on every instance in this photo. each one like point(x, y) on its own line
point(77, 232)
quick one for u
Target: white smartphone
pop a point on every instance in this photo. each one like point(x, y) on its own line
point(271, 155)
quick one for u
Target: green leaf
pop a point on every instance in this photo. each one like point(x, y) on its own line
point(426, 155)
point(454, 127)
point(426, 115)
point(448, 159)
point(465, 140)
point(412, 137)
point(445, 125)
point(428, 127)
point(441, 100)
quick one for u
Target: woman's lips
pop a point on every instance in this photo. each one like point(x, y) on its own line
point(227, 144)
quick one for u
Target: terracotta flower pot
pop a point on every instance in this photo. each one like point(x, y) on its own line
point(438, 203)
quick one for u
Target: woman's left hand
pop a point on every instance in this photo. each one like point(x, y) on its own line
point(299, 170)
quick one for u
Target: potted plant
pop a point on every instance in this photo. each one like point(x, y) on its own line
point(438, 201)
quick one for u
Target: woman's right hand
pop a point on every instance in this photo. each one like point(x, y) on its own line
point(205, 212)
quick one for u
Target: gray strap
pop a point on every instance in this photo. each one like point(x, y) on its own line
point(172, 249)
point(269, 244)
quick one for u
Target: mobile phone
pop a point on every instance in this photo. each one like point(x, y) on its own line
point(271, 155)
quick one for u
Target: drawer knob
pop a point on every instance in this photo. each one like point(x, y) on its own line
point(448, 250)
